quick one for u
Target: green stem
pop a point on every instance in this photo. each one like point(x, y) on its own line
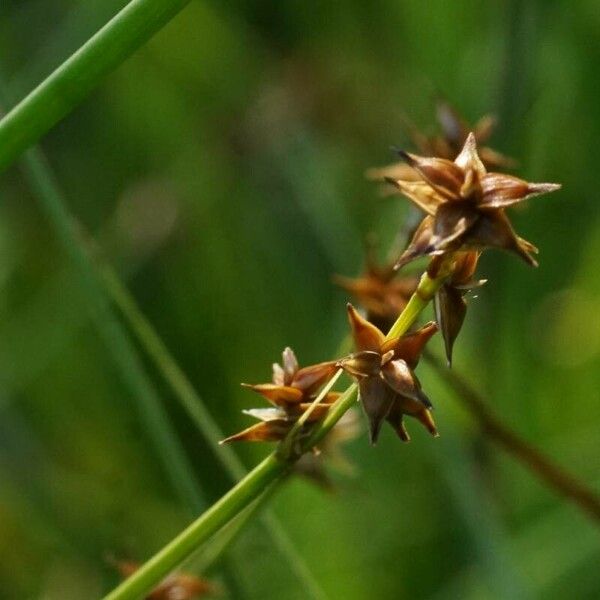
point(68, 85)
point(255, 483)
point(217, 545)
point(219, 514)
point(419, 300)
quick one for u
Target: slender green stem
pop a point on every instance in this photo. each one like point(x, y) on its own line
point(249, 488)
point(223, 539)
point(218, 515)
point(68, 85)
point(418, 301)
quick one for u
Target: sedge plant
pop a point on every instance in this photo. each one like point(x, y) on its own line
point(464, 208)
point(465, 213)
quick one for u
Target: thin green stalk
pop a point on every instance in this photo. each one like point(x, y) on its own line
point(223, 539)
point(68, 85)
point(220, 513)
point(418, 301)
point(255, 483)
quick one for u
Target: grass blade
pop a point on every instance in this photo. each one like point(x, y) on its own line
point(68, 85)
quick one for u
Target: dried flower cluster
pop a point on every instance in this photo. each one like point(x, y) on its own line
point(388, 387)
point(291, 393)
point(465, 205)
point(465, 213)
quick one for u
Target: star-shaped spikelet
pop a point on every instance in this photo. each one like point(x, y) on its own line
point(388, 387)
point(177, 586)
point(465, 205)
point(291, 393)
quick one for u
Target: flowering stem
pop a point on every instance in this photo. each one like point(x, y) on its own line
point(423, 295)
point(68, 85)
point(218, 544)
point(270, 470)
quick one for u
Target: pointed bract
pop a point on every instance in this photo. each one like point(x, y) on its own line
point(362, 364)
point(290, 365)
point(446, 146)
point(398, 375)
point(468, 159)
point(449, 302)
point(441, 174)
point(377, 399)
point(279, 395)
point(310, 379)
point(410, 346)
point(450, 311)
point(365, 335)
point(265, 431)
point(420, 192)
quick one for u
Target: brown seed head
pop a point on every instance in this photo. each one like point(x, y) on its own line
point(465, 206)
point(380, 291)
point(450, 300)
point(291, 393)
point(388, 387)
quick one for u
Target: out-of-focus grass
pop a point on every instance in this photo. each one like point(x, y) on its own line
point(248, 126)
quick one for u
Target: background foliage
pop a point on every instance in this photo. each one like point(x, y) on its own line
point(221, 169)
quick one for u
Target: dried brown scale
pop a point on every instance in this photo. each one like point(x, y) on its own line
point(384, 370)
point(464, 206)
point(292, 393)
point(450, 303)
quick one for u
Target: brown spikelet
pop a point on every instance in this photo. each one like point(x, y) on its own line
point(388, 387)
point(465, 206)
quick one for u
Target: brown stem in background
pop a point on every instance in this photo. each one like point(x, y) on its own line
point(549, 473)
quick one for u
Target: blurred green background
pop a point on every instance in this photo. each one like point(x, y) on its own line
point(221, 170)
